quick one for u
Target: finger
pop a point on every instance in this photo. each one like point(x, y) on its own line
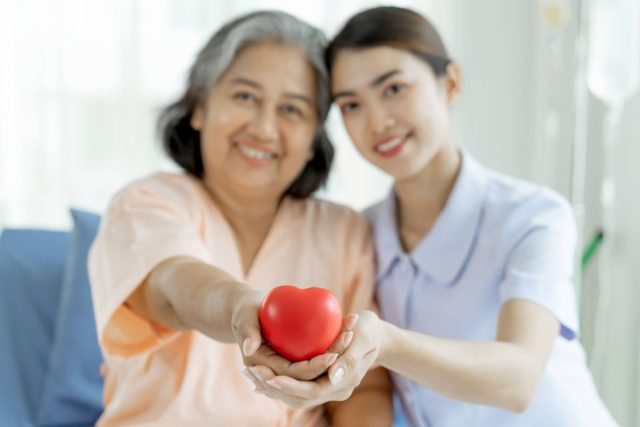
point(288, 387)
point(262, 356)
point(251, 377)
point(341, 343)
point(292, 401)
point(350, 321)
point(356, 360)
point(250, 342)
point(262, 373)
point(303, 370)
point(267, 357)
point(246, 326)
point(343, 340)
point(310, 369)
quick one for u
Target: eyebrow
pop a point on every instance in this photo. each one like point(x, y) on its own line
point(243, 81)
point(248, 82)
point(374, 83)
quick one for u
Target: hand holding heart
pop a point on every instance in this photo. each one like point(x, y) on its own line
point(299, 325)
point(366, 334)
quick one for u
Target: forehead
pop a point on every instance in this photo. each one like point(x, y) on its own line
point(274, 66)
point(354, 68)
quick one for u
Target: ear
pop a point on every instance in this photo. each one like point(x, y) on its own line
point(196, 117)
point(453, 82)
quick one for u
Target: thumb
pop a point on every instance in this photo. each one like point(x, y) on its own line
point(359, 354)
point(246, 329)
point(250, 345)
point(348, 361)
point(248, 335)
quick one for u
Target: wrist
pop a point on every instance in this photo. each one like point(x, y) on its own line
point(388, 341)
point(237, 295)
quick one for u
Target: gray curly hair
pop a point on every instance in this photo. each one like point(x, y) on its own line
point(182, 142)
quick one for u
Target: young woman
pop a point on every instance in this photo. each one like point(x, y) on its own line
point(474, 268)
point(182, 261)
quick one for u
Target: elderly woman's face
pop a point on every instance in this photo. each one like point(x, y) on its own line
point(259, 121)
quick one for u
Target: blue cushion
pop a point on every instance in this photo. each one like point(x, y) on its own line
point(73, 388)
point(31, 271)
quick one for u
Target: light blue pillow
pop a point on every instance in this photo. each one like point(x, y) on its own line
point(31, 269)
point(73, 387)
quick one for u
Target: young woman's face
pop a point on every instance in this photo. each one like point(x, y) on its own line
point(393, 107)
point(259, 121)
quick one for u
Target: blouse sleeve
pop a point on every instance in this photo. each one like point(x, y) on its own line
point(540, 265)
point(145, 224)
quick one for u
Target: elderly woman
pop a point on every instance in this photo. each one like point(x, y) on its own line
point(182, 261)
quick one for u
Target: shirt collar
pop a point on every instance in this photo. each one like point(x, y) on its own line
point(445, 250)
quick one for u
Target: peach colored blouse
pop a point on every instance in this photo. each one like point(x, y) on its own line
point(155, 376)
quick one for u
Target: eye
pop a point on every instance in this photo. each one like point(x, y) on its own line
point(349, 107)
point(394, 89)
point(244, 96)
point(292, 110)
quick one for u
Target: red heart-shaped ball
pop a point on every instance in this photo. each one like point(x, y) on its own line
point(300, 323)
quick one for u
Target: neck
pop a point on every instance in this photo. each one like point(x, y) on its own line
point(241, 208)
point(249, 215)
point(422, 197)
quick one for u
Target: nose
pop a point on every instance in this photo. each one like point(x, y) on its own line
point(379, 119)
point(264, 124)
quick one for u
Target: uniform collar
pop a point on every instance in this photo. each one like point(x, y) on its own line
point(445, 250)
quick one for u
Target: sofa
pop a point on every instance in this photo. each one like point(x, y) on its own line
point(49, 356)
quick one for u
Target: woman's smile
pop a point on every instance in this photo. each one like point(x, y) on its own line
point(254, 156)
point(391, 145)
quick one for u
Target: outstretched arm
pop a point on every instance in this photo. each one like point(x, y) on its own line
point(185, 293)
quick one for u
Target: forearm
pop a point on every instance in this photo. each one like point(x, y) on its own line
point(184, 293)
point(490, 373)
point(370, 404)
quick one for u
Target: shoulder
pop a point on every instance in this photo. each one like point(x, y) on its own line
point(163, 188)
point(515, 208)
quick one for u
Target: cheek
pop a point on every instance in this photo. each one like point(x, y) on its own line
point(300, 138)
point(219, 125)
point(224, 113)
point(429, 114)
point(355, 125)
point(222, 118)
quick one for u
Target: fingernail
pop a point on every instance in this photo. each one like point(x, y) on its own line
point(336, 376)
point(274, 384)
point(346, 338)
point(256, 374)
point(332, 357)
point(246, 347)
point(352, 321)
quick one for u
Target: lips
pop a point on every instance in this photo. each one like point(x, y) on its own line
point(391, 145)
point(254, 155)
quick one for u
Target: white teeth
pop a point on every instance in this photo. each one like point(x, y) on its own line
point(389, 145)
point(255, 154)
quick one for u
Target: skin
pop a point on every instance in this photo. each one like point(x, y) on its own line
point(386, 93)
point(264, 103)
